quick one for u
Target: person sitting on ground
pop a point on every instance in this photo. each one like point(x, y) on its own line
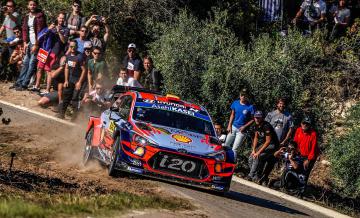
point(293, 175)
point(17, 52)
point(264, 145)
point(151, 77)
point(132, 62)
point(94, 36)
point(341, 19)
point(311, 15)
point(95, 101)
point(96, 68)
point(240, 119)
point(125, 80)
point(306, 139)
point(57, 80)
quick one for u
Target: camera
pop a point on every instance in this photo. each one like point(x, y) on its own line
point(99, 18)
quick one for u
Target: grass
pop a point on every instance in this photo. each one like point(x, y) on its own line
point(74, 205)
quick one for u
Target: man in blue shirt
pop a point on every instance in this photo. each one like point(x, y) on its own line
point(241, 118)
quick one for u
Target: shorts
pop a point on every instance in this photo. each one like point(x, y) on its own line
point(52, 96)
point(51, 59)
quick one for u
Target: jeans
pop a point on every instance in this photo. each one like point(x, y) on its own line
point(70, 94)
point(28, 69)
point(257, 164)
point(234, 139)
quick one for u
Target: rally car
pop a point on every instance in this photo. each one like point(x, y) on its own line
point(159, 136)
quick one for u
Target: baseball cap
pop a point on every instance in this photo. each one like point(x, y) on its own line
point(244, 92)
point(87, 44)
point(132, 45)
point(258, 114)
point(306, 120)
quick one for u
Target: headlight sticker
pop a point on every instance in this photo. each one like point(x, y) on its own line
point(181, 138)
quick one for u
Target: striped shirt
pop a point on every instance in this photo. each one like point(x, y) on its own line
point(271, 10)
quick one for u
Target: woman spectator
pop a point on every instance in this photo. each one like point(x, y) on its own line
point(341, 19)
point(151, 78)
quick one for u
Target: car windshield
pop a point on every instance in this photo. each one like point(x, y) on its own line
point(173, 119)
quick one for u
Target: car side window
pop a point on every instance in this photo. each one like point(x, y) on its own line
point(125, 107)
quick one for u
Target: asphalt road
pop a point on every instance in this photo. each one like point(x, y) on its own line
point(241, 201)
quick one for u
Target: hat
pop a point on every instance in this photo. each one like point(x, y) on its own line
point(306, 120)
point(132, 45)
point(87, 44)
point(244, 92)
point(258, 114)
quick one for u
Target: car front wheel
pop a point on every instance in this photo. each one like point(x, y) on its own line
point(88, 150)
point(114, 157)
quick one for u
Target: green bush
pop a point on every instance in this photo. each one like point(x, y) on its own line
point(344, 152)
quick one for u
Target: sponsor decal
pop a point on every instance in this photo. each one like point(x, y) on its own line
point(181, 145)
point(162, 130)
point(181, 138)
point(112, 126)
point(245, 112)
point(135, 170)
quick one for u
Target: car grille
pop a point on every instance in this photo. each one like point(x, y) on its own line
point(179, 164)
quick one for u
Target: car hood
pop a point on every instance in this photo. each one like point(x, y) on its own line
point(178, 139)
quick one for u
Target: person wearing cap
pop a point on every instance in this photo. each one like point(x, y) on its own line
point(132, 62)
point(306, 139)
point(240, 119)
point(264, 145)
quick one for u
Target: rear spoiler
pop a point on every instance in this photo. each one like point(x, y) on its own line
point(122, 89)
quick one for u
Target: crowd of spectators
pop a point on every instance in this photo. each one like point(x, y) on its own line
point(68, 53)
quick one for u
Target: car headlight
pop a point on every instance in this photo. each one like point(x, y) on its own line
point(144, 141)
point(218, 156)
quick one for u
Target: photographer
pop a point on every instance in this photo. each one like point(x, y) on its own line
point(52, 41)
point(293, 176)
point(12, 19)
point(94, 36)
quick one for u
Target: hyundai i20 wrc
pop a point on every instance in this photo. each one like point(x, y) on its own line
point(159, 136)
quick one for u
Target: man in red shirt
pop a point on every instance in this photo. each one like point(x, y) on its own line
point(306, 139)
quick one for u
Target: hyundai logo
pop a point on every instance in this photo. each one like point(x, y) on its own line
point(181, 150)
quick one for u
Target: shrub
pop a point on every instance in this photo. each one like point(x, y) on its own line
point(344, 152)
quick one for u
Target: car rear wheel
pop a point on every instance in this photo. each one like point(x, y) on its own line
point(114, 157)
point(88, 150)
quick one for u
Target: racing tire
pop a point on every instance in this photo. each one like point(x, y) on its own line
point(114, 157)
point(89, 149)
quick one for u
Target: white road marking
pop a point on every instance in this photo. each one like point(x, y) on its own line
point(38, 113)
point(312, 206)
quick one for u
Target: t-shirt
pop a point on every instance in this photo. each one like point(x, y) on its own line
point(80, 45)
point(32, 29)
point(281, 123)
point(263, 130)
point(129, 82)
point(243, 113)
point(96, 68)
point(271, 10)
point(313, 11)
point(74, 62)
point(96, 42)
point(340, 15)
point(9, 25)
point(151, 80)
point(74, 22)
point(297, 159)
point(58, 46)
point(132, 65)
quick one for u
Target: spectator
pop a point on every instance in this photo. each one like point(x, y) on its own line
point(82, 39)
point(265, 143)
point(95, 101)
point(87, 50)
point(219, 133)
point(306, 139)
point(125, 80)
point(74, 77)
point(94, 35)
point(151, 78)
point(341, 19)
point(58, 77)
point(314, 13)
point(132, 62)
point(18, 53)
point(75, 20)
point(53, 40)
point(96, 68)
point(240, 119)
point(33, 23)
point(12, 19)
point(281, 121)
point(293, 175)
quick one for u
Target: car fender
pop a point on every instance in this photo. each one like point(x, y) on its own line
point(94, 122)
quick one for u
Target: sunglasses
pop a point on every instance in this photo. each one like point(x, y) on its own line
point(131, 51)
point(72, 46)
point(10, 6)
point(82, 30)
point(96, 53)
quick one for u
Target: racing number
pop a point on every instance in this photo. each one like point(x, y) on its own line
point(178, 164)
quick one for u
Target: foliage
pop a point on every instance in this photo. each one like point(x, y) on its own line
point(344, 152)
point(71, 205)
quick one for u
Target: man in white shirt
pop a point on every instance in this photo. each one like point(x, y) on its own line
point(312, 14)
point(125, 80)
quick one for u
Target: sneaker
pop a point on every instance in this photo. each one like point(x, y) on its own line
point(34, 89)
point(13, 86)
point(60, 115)
point(19, 88)
point(43, 93)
